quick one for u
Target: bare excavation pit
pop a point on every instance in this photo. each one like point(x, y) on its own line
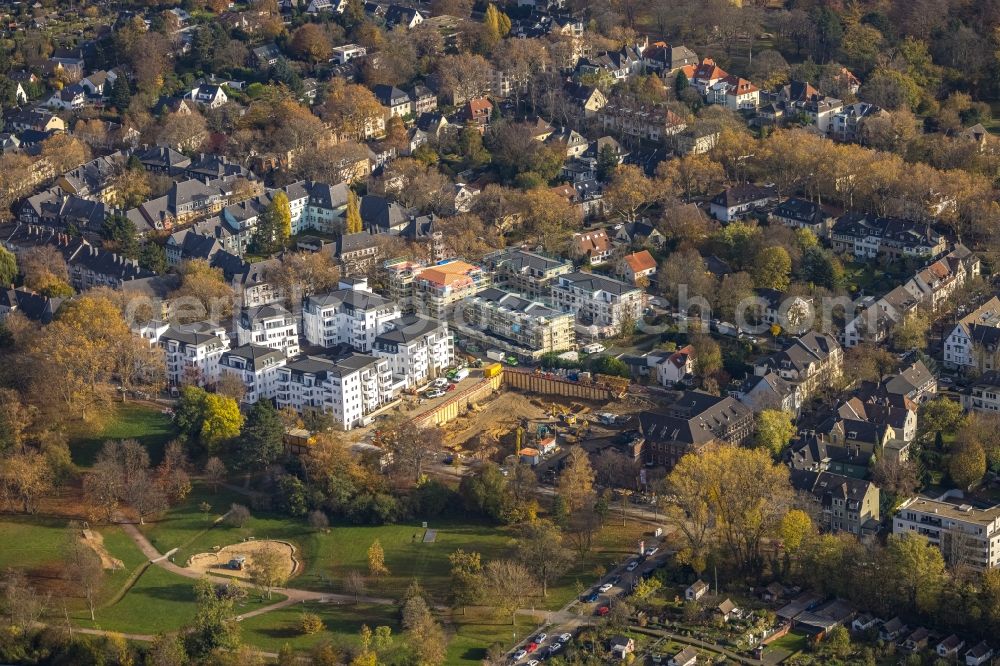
point(237, 559)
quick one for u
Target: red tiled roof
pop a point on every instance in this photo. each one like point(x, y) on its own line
point(640, 261)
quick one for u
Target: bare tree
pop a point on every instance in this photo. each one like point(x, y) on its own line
point(22, 603)
point(507, 584)
point(215, 472)
point(82, 567)
point(354, 583)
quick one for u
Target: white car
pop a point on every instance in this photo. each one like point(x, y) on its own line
point(555, 647)
point(593, 348)
point(565, 638)
point(652, 550)
point(440, 382)
point(632, 566)
point(436, 393)
point(540, 638)
point(533, 662)
point(605, 587)
point(520, 654)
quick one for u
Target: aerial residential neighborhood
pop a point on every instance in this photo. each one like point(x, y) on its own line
point(500, 333)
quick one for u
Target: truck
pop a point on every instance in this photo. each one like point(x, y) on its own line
point(492, 370)
point(460, 374)
point(496, 355)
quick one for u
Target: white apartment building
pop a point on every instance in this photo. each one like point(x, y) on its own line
point(434, 290)
point(350, 388)
point(346, 53)
point(418, 349)
point(352, 315)
point(973, 344)
point(269, 326)
point(257, 367)
point(601, 304)
point(192, 352)
point(965, 534)
point(501, 319)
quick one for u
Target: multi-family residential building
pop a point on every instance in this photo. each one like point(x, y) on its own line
point(350, 388)
point(735, 93)
point(845, 504)
point(740, 201)
point(269, 326)
point(811, 361)
point(869, 237)
point(847, 123)
point(666, 59)
point(191, 352)
point(517, 325)
point(967, 535)
point(803, 214)
point(972, 346)
point(601, 304)
point(984, 394)
point(255, 366)
point(650, 122)
point(351, 315)
point(396, 102)
point(794, 314)
point(418, 349)
point(693, 422)
point(675, 367)
point(434, 290)
point(526, 273)
point(800, 98)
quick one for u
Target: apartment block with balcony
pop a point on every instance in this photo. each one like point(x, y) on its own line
point(527, 328)
point(192, 352)
point(350, 388)
point(526, 273)
point(418, 350)
point(437, 290)
point(351, 315)
point(601, 304)
point(257, 367)
point(269, 326)
point(967, 535)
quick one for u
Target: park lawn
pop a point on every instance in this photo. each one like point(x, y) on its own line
point(474, 634)
point(159, 601)
point(342, 625)
point(137, 421)
point(186, 521)
point(31, 541)
point(345, 547)
point(120, 545)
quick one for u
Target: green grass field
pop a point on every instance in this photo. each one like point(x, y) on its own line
point(474, 635)
point(129, 421)
point(31, 541)
point(342, 625)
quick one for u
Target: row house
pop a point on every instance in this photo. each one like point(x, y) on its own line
point(417, 349)
point(350, 388)
point(526, 328)
point(269, 326)
point(351, 315)
point(867, 236)
point(973, 345)
point(984, 394)
point(250, 281)
point(811, 361)
point(601, 304)
point(650, 122)
point(256, 366)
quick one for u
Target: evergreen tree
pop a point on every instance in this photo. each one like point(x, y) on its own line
point(353, 220)
point(8, 267)
point(681, 83)
point(121, 94)
point(262, 440)
point(153, 257)
point(607, 162)
point(122, 232)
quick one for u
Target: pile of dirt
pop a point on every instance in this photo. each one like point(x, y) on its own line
point(95, 540)
point(218, 562)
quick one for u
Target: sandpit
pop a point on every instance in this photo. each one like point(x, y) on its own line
point(218, 562)
point(96, 542)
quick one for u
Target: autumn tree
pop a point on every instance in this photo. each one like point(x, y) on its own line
point(215, 472)
point(916, 571)
point(376, 560)
point(64, 152)
point(466, 578)
point(350, 110)
point(25, 477)
point(82, 567)
point(774, 430)
point(464, 76)
point(424, 635)
point(630, 192)
point(213, 627)
point(310, 42)
point(967, 464)
point(576, 483)
point(268, 568)
point(691, 175)
point(541, 548)
point(352, 217)
point(772, 268)
point(507, 583)
point(204, 293)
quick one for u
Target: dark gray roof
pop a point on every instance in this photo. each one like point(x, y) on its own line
point(254, 355)
point(593, 282)
point(351, 299)
point(408, 328)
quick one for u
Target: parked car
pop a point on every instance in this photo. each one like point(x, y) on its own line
point(435, 393)
point(565, 638)
point(632, 566)
point(555, 647)
point(449, 387)
point(652, 550)
point(520, 654)
point(533, 662)
point(531, 647)
point(592, 348)
point(605, 587)
point(540, 638)
point(603, 610)
point(592, 597)
point(440, 382)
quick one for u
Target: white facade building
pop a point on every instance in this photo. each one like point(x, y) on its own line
point(600, 303)
point(965, 534)
point(257, 367)
point(269, 326)
point(352, 315)
point(350, 388)
point(418, 349)
point(192, 353)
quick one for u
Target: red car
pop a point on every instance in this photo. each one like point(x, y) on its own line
point(450, 387)
point(531, 647)
point(603, 610)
